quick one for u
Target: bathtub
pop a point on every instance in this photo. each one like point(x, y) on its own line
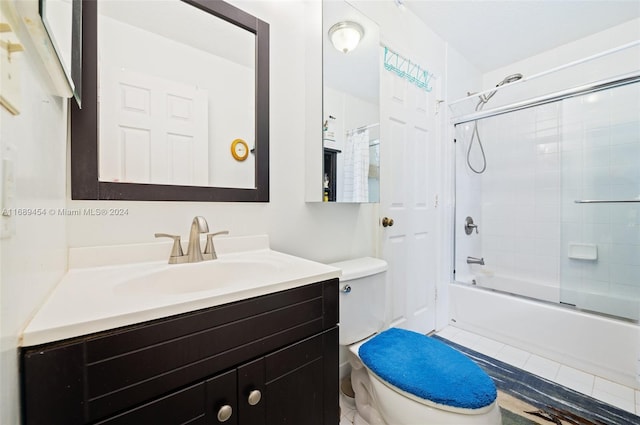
point(601, 302)
point(600, 345)
point(527, 288)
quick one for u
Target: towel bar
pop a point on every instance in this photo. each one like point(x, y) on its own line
point(604, 201)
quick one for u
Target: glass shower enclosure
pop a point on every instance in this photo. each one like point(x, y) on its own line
point(555, 216)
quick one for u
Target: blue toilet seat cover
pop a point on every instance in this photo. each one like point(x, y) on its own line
point(428, 369)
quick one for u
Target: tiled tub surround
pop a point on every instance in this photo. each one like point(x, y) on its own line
point(539, 162)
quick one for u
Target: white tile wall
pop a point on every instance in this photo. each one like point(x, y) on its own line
point(467, 205)
point(520, 195)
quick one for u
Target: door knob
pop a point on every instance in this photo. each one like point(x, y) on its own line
point(254, 397)
point(387, 222)
point(225, 412)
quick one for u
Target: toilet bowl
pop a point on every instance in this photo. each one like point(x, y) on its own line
point(400, 377)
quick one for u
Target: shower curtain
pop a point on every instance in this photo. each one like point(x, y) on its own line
point(356, 167)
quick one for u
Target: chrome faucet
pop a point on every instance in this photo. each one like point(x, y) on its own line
point(474, 260)
point(194, 252)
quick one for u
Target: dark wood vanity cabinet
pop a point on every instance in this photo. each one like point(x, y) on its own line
point(266, 360)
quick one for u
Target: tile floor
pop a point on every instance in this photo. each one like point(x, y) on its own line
point(625, 398)
point(347, 411)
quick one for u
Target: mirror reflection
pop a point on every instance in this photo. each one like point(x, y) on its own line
point(62, 20)
point(176, 90)
point(351, 115)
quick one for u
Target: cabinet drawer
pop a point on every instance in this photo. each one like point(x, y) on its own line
point(195, 405)
point(181, 407)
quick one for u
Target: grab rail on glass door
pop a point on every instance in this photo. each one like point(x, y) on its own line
point(604, 201)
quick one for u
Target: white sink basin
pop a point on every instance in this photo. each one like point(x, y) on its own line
point(136, 286)
point(198, 277)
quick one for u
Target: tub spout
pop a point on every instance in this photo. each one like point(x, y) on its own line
point(474, 260)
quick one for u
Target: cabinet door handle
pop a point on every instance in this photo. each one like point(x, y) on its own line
point(254, 397)
point(225, 413)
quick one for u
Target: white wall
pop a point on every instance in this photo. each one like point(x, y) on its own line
point(615, 64)
point(35, 257)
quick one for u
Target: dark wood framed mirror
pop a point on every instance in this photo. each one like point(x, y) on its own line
point(86, 183)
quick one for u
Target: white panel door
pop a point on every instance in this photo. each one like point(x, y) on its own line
point(408, 197)
point(156, 132)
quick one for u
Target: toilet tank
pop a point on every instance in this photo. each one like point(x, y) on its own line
point(362, 290)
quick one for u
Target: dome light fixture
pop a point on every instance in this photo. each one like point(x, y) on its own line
point(345, 36)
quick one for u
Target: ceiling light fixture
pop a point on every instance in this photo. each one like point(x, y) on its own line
point(345, 36)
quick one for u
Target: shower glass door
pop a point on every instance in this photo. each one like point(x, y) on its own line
point(600, 152)
point(515, 203)
point(543, 230)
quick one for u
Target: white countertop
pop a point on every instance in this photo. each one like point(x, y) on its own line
point(94, 296)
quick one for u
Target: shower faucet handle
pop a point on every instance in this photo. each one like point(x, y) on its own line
point(469, 226)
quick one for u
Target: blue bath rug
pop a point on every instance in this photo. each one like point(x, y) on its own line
point(428, 369)
point(555, 402)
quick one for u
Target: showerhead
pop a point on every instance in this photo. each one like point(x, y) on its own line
point(484, 98)
point(508, 79)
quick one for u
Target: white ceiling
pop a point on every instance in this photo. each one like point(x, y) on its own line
point(492, 34)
